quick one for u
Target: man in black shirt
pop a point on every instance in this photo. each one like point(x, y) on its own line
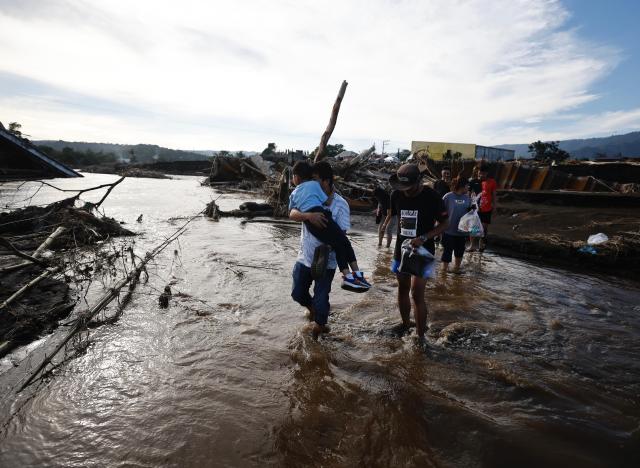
point(417, 208)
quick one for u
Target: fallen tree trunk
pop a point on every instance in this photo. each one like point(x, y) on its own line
point(320, 153)
point(213, 211)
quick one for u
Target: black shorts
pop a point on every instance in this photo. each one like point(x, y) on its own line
point(452, 245)
point(485, 217)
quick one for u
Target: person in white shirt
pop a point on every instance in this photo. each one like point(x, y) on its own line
point(318, 304)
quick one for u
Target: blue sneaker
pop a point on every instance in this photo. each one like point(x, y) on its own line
point(351, 283)
point(360, 276)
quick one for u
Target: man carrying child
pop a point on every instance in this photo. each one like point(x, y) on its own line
point(308, 197)
point(338, 212)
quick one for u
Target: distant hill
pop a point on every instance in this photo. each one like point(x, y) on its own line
point(142, 153)
point(627, 145)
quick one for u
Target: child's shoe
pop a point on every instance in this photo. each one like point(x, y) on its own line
point(360, 276)
point(351, 283)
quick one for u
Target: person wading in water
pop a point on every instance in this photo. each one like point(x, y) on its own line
point(318, 304)
point(417, 208)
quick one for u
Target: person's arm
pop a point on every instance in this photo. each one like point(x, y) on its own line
point(436, 231)
point(317, 219)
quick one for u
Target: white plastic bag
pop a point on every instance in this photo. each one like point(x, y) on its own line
point(471, 224)
point(596, 239)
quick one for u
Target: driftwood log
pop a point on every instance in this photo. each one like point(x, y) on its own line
point(246, 210)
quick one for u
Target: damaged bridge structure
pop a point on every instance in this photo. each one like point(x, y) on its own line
point(21, 160)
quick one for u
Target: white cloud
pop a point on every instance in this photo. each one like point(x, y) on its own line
point(231, 74)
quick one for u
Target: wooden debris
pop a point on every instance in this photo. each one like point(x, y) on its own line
point(233, 169)
point(213, 211)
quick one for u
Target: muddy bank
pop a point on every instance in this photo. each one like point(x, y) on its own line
point(35, 314)
point(554, 228)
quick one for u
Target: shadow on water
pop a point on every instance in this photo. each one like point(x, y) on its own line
point(524, 365)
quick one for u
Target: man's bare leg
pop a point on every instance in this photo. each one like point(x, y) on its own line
point(419, 305)
point(456, 263)
point(404, 300)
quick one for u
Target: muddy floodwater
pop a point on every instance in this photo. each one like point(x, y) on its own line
point(525, 365)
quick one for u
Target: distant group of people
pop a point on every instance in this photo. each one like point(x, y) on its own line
point(419, 214)
point(460, 195)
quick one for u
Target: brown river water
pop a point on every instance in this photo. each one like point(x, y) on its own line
point(525, 365)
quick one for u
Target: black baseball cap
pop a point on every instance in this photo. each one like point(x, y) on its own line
point(407, 176)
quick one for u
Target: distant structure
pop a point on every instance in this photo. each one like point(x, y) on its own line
point(20, 160)
point(287, 156)
point(346, 155)
point(439, 151)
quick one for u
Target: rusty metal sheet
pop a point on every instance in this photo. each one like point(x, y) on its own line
point(504, 170)
point(512, 176)
point(556, 180)
point(521, 181)
point(578, 184)
point(538, 177)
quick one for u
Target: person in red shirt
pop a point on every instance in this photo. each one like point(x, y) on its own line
point(488, 198)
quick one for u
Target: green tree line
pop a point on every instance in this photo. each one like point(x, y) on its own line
point(75, 158)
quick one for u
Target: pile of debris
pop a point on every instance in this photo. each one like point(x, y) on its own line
point(41, 256)
point(355, 179)
point(228, 169)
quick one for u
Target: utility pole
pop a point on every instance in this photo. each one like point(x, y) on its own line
point(384, 142)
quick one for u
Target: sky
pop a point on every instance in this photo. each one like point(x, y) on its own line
point(238, 74)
